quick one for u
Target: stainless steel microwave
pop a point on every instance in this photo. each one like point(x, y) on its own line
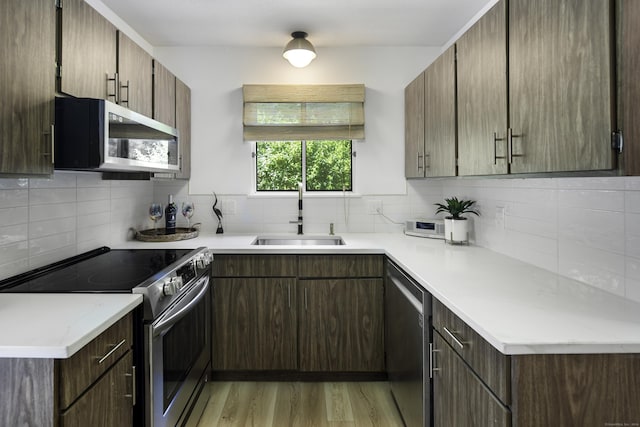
point(98, 135)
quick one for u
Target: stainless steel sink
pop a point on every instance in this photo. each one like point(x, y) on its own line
point(299, 240)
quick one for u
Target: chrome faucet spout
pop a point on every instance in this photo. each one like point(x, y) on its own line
point(299, 221)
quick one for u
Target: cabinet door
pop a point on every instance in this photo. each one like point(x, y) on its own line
point(164, 94)
point(482, 95)
point(27, 86)
point(341, 325)
point(440, 116)
point(560, 85)
point(628, 12)
point(183, 124)
point(108, 402)
point(135, 75)
point(414, 128)
point(87, 53)
point(459, 397)
point(254, 324)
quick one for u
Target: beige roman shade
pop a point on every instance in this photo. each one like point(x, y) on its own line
point(296, 112)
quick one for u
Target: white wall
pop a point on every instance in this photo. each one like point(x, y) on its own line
point(221, 161)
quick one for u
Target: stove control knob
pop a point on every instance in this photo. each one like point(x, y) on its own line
point(172, 285)
point(203, 260)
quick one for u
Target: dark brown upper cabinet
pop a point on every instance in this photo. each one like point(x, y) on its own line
point(440, 116)
point(183, 124)
point(87, 56)
point(135, 76)
point(414, 128)
point(560, 85)
point(164, 94)
point(27, 86)
point(430, 120)
point(482, 95)
point(628, 37)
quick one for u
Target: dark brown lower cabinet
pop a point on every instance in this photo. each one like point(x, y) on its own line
point(94, 387)
point(107, 402)
point(255, 324)
point(341, 325)
point(586, 390)
point(460, 398)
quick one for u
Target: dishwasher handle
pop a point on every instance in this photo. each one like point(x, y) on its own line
point(415, 302)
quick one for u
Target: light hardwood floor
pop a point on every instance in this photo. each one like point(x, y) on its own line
point(281, 404)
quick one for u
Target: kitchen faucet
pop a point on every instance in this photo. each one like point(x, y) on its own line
point(299, 221)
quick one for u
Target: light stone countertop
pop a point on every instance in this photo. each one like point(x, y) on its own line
point(57, 325)
point(517, 307)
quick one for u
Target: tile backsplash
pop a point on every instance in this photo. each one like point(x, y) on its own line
point(584, 228)
point(43, 220)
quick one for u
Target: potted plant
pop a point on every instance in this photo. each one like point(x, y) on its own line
point(456, 228)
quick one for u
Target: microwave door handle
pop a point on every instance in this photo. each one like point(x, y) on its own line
point(165, 324)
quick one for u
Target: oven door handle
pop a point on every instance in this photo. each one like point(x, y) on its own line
point(171, 318)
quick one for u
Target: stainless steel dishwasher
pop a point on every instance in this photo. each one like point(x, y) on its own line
point(407, 334)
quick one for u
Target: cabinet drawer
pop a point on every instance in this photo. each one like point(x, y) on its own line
point(337, 266)
point(254, 266)
point(489, 364)
point(80, 370)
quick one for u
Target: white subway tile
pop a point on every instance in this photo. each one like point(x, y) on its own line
point(13, 198)
point(13, 234)
point(51, 243)
point(597, 229)
point(85, 194)
point(51, 227)
point(592, 183)
point(42, 212)
point(12, 216)
point(58, 180)
point(14, 183)
point(47, 196)
point(592, 199)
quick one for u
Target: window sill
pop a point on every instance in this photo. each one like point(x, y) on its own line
point(306, 195)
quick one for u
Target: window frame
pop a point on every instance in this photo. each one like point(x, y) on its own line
point(314, 193)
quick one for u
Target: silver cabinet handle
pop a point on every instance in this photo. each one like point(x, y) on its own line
point(427, 165)
point(420, 161)
point(305, 298)
point(133, 386)
point(113, 350)
point(432, 360)
point(453, 337)
point(116, 84)
point(289, 294)
point(510, 137)
point(495, 149)
point(121, 100)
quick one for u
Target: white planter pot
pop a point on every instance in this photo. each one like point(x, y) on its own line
point(456, 230)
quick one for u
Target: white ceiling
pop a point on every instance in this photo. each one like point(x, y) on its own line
point(268, 23)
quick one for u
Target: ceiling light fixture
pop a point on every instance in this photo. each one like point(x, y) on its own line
point(299, 51)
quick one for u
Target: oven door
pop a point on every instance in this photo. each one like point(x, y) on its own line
point(179, 356)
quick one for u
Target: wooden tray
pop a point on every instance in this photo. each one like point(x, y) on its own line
point(159, 235)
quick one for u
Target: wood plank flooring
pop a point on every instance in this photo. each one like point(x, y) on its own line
point(293, 404)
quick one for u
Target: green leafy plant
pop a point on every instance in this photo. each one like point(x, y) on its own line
point(455, 208)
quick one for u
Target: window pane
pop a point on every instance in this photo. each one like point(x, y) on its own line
point(279, 165)
point(328, 165)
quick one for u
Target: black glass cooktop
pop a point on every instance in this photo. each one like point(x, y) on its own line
point(101, 270)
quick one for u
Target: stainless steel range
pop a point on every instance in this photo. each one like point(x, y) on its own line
point(172, 331)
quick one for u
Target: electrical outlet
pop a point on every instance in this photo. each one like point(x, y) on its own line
point(374, 207)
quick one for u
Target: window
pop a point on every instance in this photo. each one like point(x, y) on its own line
point(321, 165)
